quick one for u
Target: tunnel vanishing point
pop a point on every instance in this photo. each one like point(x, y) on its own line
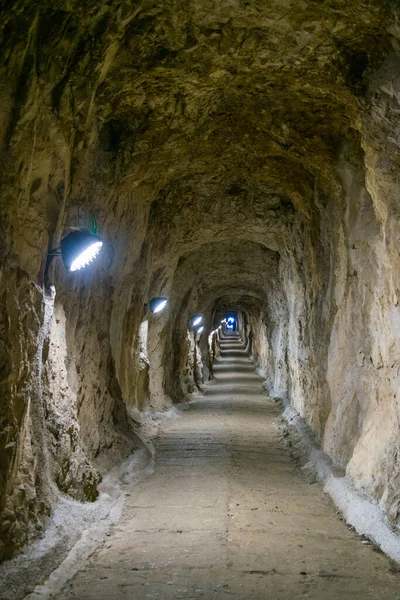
point(237, 157)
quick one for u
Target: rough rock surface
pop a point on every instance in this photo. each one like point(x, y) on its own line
point(238, 155)
point(228, 513)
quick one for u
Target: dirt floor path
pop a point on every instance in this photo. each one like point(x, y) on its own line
point(228, 514)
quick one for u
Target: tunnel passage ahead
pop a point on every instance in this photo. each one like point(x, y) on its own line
point(228, 511)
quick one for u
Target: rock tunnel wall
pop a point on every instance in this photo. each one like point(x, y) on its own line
point(328, 340)
point(235, 158)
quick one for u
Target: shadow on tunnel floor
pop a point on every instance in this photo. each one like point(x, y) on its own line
point(233, 360)
point(236, 406)
point(242, 380)
point(232, 390)
point(235, 354)
point(240, 369)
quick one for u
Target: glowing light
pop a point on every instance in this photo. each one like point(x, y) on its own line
point(157, 304)
point(161, 306)
point(86, 257)
point(200, 330)
point(196, 321)
point(79, 248)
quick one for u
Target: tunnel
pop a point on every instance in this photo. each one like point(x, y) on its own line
point(213, 159)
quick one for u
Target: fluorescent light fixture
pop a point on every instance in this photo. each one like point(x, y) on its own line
point(200, 330)
point(79, 249)
point(196, 320)
point(157, 305)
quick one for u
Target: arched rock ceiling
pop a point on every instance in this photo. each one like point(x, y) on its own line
point(228, 111)
point(194, 211)
point(246, 87)
point(250, 301)
point(237, 299)
point(222, 268)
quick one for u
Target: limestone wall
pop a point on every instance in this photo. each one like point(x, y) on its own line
point(244, 157)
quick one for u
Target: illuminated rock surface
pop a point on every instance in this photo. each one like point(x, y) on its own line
point(237, 156)
point(228, 512)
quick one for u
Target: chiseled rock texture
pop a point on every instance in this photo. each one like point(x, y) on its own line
point(237, 155)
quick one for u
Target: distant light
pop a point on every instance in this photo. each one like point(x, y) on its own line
point(231, 320)
point(157, 305)
point(197, 320)
point(80, 248)
point(200, 330)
